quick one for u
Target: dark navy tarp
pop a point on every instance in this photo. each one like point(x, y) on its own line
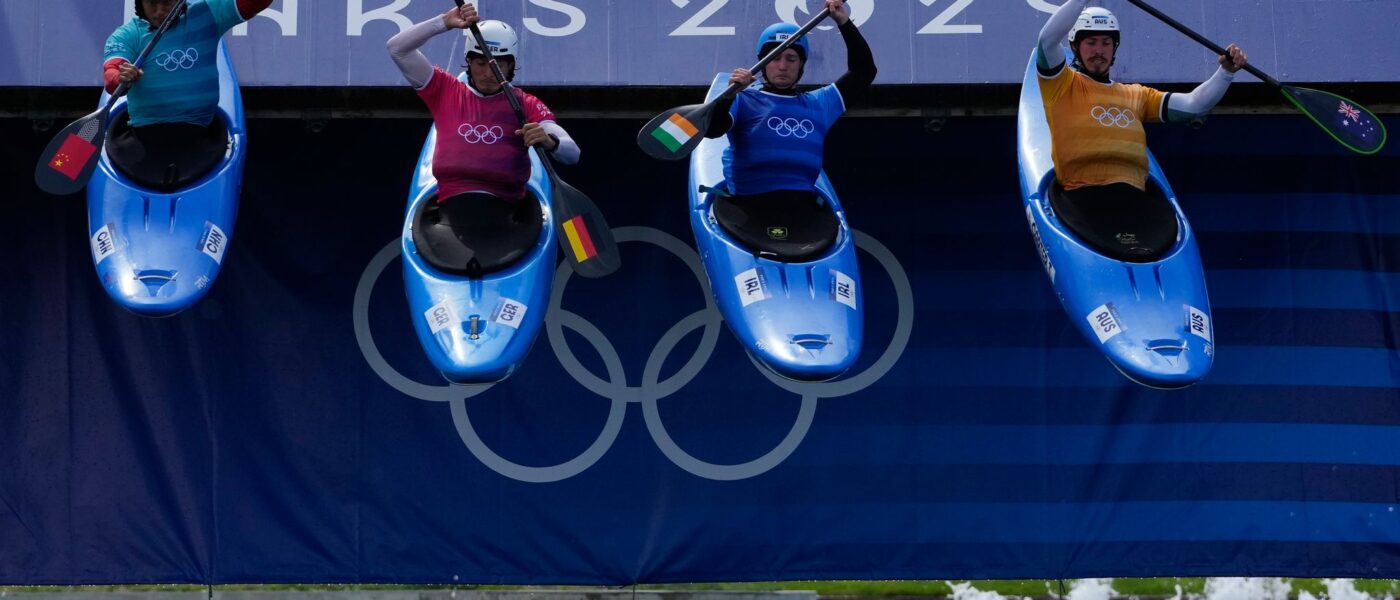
point(288, 428)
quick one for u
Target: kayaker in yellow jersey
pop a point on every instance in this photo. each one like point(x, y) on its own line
point(1099, 144)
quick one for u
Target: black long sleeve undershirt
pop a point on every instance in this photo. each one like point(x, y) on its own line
point(860, 63)
point(860, 73)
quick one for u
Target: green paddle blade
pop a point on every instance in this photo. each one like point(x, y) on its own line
point(1351, 124)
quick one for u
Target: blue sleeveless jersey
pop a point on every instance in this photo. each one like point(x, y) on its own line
point(776, 141)
point(181, 84)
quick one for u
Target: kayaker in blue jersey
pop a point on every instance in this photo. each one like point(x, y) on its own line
point(1098, 143)
point(777, 134)
point(171, 135)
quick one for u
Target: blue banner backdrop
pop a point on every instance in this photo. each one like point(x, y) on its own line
point(288, 428)
point(683, 42)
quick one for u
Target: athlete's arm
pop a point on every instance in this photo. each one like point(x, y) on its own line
point(403, 48)
point(117, 55)
point(1048, 57)
point(722, 118)
point(112, 71)
point(1184, 107)
point(566, 151)
point(860, 62)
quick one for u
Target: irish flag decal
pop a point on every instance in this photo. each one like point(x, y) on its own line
point(675, 132)
point(576, 229)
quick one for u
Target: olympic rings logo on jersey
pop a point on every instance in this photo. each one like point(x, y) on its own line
point(613, 386)
point(481, 134)
point(177, 60)
point(1113, 117)
point(790, 127)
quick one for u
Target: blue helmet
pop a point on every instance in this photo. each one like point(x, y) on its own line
point(778, 33)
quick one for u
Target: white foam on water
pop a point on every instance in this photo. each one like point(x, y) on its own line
point(1091, 589)
point(1247, 588)
point(1341, 589)
point(1274, 588)
point(966, 591)
point(1217, 588)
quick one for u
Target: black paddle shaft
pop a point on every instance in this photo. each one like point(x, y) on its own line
point(509, 91)
point(567, 201)
point(508, 88)
point(1214, 47)
point(496, 70)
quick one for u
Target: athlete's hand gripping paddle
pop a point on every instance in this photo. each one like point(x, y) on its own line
point(1351, 124)
point(672, 135)
point(584, 236)
point(67, 163)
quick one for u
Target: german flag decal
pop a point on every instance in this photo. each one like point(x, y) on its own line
point(576, 229)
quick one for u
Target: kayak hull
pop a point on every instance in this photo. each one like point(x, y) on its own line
point(158, 253)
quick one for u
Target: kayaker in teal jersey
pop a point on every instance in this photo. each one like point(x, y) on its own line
point(171, 133)
point(777, 133)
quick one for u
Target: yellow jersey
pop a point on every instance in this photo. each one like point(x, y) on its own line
point(1096, 128)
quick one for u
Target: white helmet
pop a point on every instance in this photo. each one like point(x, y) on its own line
point(500, 38)
point(1098, 20)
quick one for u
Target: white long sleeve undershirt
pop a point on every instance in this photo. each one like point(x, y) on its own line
point(1183, 107)
point(1056, 30)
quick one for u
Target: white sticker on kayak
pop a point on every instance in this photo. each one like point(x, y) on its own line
point(843, 289)
point(214, 242)
point(751, 286)
point(1040, 246)
point(440, 317)
point(509, 313)
point(1199, 323)
point(1104, 320)
point(104, 244)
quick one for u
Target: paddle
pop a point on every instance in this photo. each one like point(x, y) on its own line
point(584, 236)
point(1351, 124)
point(672, 135)
point(67, 163)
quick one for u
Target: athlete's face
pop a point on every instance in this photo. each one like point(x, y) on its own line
point(157, 10)
point(1096, 52)
point(482, 77)
point(783, 72)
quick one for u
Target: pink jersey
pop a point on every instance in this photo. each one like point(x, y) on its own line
point(477, 148)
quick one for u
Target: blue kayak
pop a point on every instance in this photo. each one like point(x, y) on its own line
point(158, 252)
point(1152, 320)
point(801, 319)
point(476, 329)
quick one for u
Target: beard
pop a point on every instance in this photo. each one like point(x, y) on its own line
point(1098, 66)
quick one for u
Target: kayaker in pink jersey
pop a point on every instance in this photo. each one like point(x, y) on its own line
point(481, 146)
